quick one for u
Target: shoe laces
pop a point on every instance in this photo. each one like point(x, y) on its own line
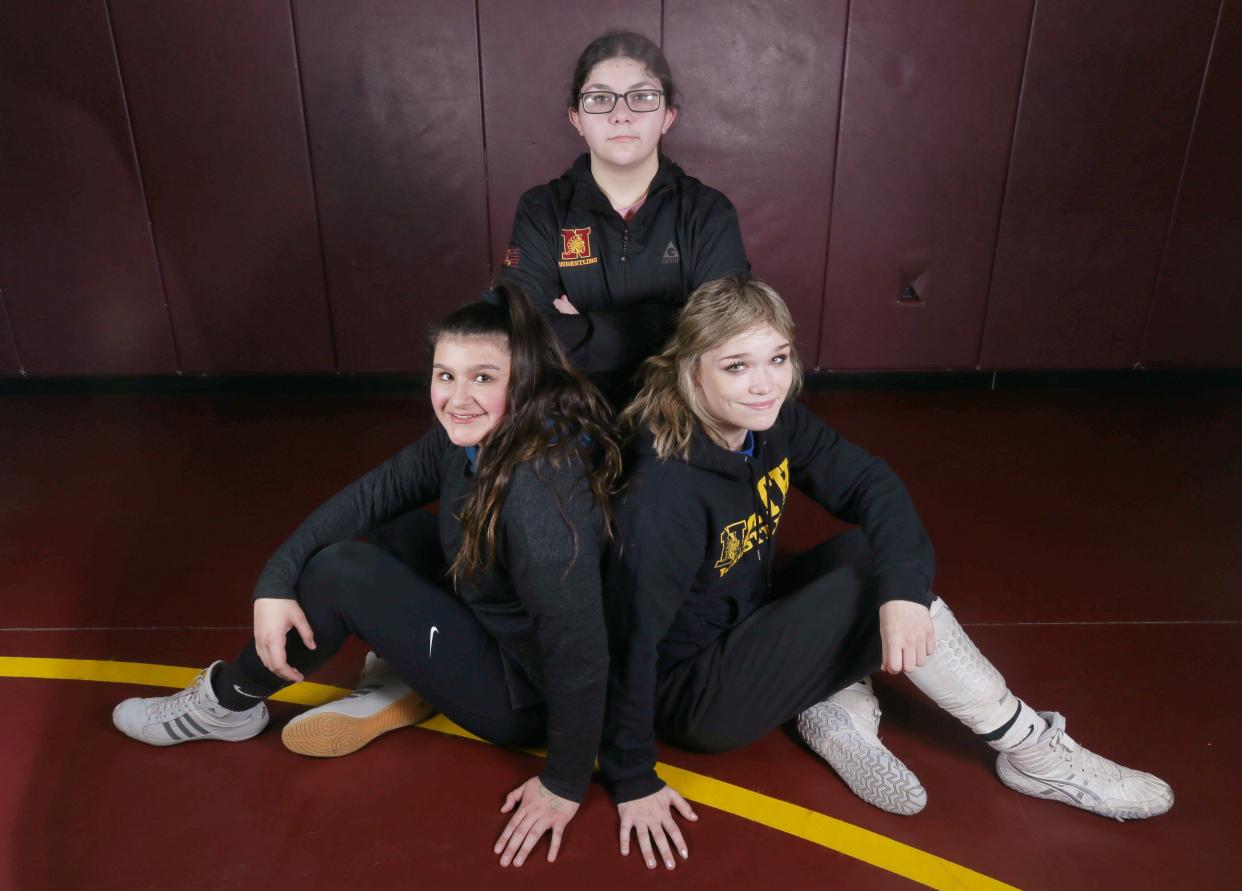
point(862, 707)
point(364, 690)
point(179, 703)
point(873, 701)
point(1082, 761)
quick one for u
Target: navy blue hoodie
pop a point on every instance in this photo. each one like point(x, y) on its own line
point(693, 549)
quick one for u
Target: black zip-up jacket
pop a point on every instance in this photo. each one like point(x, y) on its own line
point(627, 280)
point(692, 552)
point(541, 602)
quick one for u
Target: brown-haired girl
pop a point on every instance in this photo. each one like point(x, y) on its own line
point(509, 642)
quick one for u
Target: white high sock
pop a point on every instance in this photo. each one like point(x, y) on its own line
point(1025, 730)
point(960, 680)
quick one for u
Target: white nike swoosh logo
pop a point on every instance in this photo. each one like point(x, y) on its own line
point(431, 642)
point(244, 693)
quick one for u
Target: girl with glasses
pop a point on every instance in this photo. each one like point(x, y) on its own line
point(611, 249)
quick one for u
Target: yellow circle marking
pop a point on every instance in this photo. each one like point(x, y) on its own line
point(829, 832)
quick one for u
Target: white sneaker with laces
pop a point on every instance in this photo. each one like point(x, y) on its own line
point(1057, 768)
point(381, 702)
point(190, 715)
point(843, 731)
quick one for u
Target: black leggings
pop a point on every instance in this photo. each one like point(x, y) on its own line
point(818, 635)
point(383, 593)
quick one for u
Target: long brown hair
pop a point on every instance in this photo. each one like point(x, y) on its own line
point(552, 414)
point(668, 404)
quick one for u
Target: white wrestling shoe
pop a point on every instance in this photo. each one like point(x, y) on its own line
point(190, 715)
point(1057, 768)
point(381, 702)
point(842, 730)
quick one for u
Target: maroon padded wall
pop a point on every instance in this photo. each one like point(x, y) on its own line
point(77, 265)
point(930, 96)
point(10, 362)
point(761, 87)
point(1107, 103)
point(392, 108)
point(1197, 316)
point(528, 53)
point(302, 185)
point(217, 114)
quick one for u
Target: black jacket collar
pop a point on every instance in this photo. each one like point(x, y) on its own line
point(587, 195)
point(706, 455)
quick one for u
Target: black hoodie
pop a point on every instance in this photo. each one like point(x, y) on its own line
point(541, 601)
point(626, 279)
point(692, 555)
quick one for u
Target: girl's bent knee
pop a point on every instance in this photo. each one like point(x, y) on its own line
point(332, 566)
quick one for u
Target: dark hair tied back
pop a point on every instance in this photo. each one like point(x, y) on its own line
point(552, 412)
point(624, 45)
point(479, 319)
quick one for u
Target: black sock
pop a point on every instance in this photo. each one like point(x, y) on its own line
point(234, 690)
point(1000, 731)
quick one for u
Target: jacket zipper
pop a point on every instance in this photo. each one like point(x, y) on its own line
point(763, 513)
point(625, 256)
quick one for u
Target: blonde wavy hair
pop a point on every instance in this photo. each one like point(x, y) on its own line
point(669, 404)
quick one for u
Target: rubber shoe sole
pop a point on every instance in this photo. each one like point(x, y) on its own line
point(872, 772)
point(332, 734)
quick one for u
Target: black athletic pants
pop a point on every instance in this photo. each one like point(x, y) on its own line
point(818, 635)
point(384, 592)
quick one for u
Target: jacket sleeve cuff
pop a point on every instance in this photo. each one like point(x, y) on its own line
point(904, 583)
point(276, 593)
point(639, 787)
point(574, 792)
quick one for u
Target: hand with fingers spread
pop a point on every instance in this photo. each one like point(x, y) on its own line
point(535, 811)
point(651, 818)
point(907, 635)
point(564, 306)
point(273, 617)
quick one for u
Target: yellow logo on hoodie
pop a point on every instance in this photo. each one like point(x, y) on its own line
point(738, 538)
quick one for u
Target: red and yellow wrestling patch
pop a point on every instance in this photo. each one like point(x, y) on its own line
point(576, 248)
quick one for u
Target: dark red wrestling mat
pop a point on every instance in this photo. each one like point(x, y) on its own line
point(1089, 540)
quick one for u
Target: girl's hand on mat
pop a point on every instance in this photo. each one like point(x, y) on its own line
point(535, 811)
point(652, 818)
point(564, 307)
point(273, 617)
point(907, 635)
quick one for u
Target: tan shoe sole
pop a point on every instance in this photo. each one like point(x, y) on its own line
point(331, 734)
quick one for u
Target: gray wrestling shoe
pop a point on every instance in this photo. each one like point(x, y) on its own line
point(1057, 768)
point(187, 716)
point(842, 730)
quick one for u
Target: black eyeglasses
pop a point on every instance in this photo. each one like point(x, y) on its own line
point(604, 101)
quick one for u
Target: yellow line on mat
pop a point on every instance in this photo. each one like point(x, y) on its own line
point(837, 835)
